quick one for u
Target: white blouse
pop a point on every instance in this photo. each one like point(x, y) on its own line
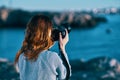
point(48, 66)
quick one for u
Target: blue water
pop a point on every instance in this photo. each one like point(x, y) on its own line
point(83, 44)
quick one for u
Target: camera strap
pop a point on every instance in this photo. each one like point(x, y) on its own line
point(65, 62)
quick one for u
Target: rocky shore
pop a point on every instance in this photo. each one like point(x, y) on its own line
point(8, 70)
point(100, 68)
point(19, 18)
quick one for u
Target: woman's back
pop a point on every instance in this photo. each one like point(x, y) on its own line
point(34, 60)
point(47, 67)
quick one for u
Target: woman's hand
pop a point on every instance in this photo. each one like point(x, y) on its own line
point(63, 41)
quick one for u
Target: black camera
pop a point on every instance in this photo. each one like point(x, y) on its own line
point(58, 29)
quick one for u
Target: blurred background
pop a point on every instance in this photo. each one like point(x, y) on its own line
point(94, 44)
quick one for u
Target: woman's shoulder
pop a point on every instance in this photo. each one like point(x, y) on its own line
point(50, 55)
point(22, 57)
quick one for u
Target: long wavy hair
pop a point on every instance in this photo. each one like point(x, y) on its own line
point(37, 37)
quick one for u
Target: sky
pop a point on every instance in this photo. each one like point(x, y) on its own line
point(59, 5)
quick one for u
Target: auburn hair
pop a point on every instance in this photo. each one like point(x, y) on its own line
point(37, 37)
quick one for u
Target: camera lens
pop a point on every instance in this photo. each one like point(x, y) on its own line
point(57, 30)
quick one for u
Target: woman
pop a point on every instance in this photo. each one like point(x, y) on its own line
point(35, 61)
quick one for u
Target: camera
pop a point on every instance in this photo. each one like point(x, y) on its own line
point(58, 29)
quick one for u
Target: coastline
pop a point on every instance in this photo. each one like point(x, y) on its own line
point(76, 19)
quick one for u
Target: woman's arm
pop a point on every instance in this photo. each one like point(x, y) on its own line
point(62, 44)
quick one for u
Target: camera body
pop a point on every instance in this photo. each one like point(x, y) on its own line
point(57, 30)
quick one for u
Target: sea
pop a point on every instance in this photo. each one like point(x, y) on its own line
point(102, 40)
